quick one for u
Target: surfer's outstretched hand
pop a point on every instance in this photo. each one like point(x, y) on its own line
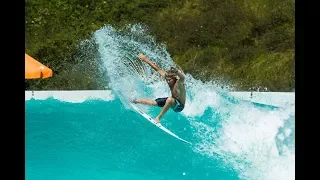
point(142, 57)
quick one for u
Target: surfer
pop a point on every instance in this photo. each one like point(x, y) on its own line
point(175, 80)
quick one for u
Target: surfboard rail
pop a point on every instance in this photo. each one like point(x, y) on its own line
point(146, 116)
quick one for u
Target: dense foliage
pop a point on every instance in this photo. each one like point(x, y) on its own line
point(247, 43)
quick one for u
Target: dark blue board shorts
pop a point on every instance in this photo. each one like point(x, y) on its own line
point(178, 107)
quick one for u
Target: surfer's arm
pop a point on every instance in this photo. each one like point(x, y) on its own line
point(155, 67)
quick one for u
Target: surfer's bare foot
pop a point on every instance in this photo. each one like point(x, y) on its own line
point(157, 120)
point(133, 101)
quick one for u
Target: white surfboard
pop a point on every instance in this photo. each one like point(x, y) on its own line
point(146, 116)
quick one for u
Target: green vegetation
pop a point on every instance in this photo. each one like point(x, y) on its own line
point(248, 43)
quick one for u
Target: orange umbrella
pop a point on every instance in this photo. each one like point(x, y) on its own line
point(34, 69)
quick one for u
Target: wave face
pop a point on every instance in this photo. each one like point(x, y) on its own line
point(105, 139)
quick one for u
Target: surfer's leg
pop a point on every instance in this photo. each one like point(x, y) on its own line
point(145, 101)
point(169, 103)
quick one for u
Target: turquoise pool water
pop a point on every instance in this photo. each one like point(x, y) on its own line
point(98, 139)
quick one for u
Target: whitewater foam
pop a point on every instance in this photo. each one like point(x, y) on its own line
point(247, 142)
point(238, 133)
